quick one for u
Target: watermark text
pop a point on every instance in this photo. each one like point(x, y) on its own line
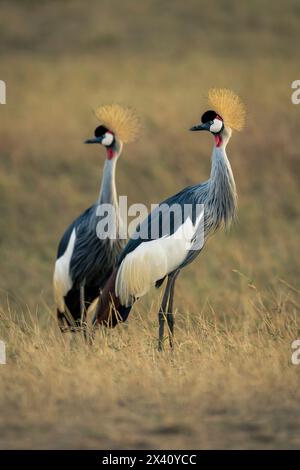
point(296, 94)
point(2, 92)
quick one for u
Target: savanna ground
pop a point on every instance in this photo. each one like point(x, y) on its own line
point(229, 382)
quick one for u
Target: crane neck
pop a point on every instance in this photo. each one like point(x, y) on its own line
point(222, 196)
point(108, 192)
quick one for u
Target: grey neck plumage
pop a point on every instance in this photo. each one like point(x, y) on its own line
point(222, 196)
point(108, 191)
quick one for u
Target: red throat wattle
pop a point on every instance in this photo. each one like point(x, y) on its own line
point(110, 153)
point(218, 140)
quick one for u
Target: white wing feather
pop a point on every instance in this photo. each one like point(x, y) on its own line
point(62, 281)
point(151, 261)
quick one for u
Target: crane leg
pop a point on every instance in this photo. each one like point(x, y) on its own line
point(162, 313)
point(170, 316)
point(83, 322)
point(61, 322)
point(82, 306)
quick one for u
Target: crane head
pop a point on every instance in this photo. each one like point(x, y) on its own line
point(103, 136)
point(210, 121)
point(228, 112)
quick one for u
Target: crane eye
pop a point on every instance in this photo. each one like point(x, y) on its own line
point(216, 126)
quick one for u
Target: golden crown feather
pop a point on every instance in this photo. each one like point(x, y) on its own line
point(229, 106)
point(123, 122)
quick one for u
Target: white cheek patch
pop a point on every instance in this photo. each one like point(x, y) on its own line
point(216, 126)
point(107, 139)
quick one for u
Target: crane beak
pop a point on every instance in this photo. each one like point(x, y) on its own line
point(94, 140)
point(201, 127)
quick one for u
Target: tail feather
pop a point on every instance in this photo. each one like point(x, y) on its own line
point(109, 311)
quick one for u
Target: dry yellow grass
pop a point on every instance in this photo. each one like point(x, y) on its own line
point(229, 383)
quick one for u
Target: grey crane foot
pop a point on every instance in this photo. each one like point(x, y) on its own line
point(170, 321)
point(85, 332)
point(89, 335)
point(161, 322)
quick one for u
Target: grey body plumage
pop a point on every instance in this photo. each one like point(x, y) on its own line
point(93, 259)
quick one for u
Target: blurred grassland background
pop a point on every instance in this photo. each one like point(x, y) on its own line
point(60, 60)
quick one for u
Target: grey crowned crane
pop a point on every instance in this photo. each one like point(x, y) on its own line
point(146, 260)
point(85, 259)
